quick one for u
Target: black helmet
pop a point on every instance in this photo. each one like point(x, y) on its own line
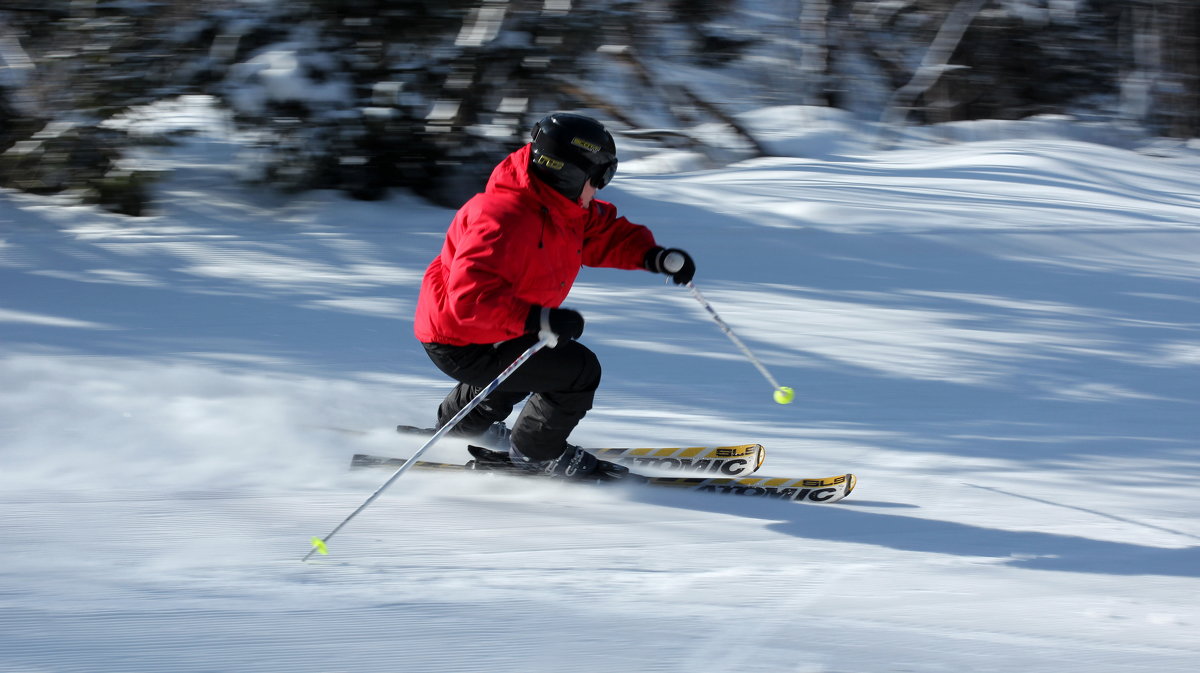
point(570, 150)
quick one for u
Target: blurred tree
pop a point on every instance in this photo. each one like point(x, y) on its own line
point(823, 26)
point(935, 62)
point(1181, 98)
point(437, 92)
point(367, 95)
point(1160, 49)
point(1015, 62)
point(87, 61)
point(1011, 59)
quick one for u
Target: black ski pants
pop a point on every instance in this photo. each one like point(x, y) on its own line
point(560, 383)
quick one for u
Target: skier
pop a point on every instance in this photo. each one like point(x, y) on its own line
point(509, 259)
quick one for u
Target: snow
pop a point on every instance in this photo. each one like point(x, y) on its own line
point(997, 328)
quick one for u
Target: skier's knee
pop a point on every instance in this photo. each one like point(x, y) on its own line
point(590, 371)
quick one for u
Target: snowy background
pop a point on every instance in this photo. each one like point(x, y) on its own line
point(996, 326)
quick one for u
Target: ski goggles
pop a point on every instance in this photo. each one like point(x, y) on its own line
point(602, 174)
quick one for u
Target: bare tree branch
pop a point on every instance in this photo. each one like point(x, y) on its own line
point(935, 61)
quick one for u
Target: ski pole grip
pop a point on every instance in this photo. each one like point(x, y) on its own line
point(673, 262)
point(545, 333)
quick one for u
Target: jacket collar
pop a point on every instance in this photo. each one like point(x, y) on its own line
point(512, 175)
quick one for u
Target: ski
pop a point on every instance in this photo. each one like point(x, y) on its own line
point(726, 461)
point(818, 490)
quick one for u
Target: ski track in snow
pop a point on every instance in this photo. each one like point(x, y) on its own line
point(1000, 337)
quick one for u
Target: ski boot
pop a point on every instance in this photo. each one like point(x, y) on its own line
point(573, 464)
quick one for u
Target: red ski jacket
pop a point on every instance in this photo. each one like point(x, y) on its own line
point(517, 244)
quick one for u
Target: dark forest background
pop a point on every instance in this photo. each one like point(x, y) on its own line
point(426, 96)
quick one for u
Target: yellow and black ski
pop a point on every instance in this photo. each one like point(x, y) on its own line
point(810, 490)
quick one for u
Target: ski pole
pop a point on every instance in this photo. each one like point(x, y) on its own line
point(546, 339)
point(783, 394)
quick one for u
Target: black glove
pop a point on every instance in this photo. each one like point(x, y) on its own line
point(564, 322)
point(672, 261)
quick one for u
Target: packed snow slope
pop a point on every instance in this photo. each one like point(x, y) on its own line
point(996, 327)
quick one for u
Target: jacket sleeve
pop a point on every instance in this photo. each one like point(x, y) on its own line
point(480, 284)
point(614, 242)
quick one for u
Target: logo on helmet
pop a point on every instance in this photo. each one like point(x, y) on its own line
point(550, 162)
point(580, 142)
